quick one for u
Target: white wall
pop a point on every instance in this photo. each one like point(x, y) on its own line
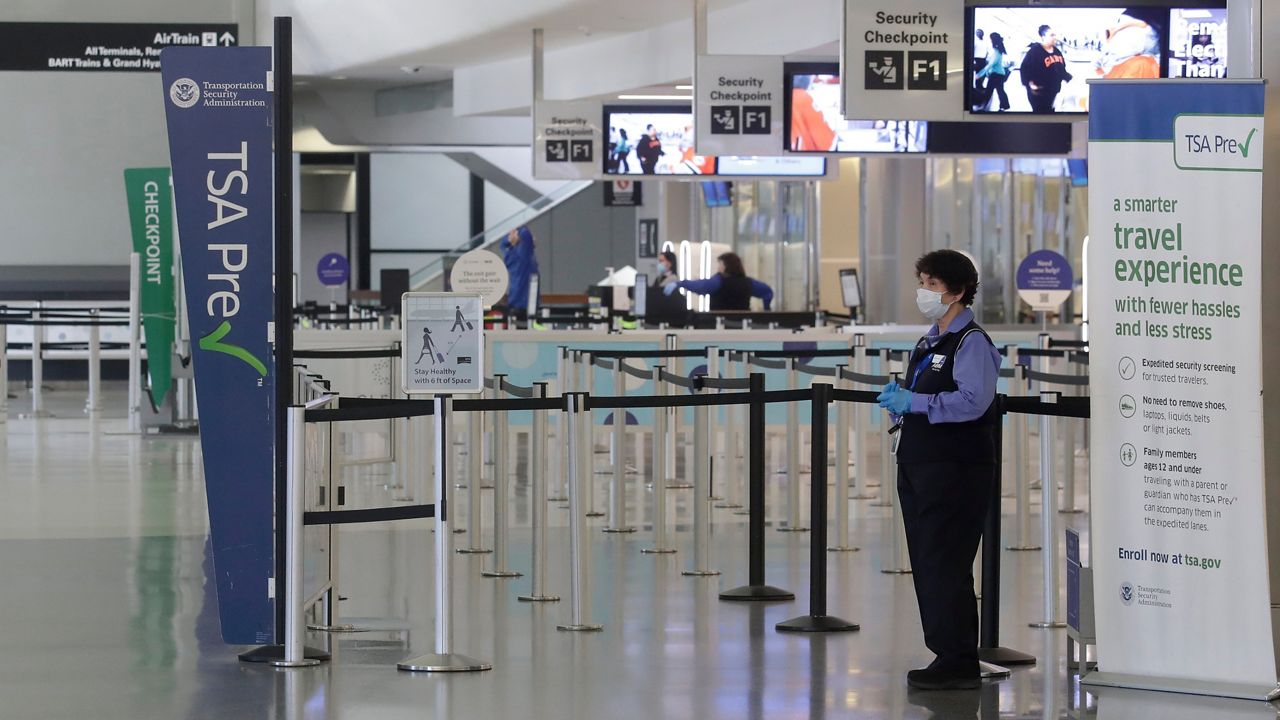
point(418, 201)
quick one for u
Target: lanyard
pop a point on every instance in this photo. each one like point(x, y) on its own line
point(915, 376)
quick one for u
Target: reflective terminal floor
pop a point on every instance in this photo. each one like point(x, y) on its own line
point(109, 612)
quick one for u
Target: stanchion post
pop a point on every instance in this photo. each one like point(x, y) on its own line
point(579, 545)
point(4, 373)
point(756, 589)
point(538, 481)
point(841, 471)
point(740, 443)
point(37, 362)
point(1048, 517)
point(858, 488)
point(898, 561)
point(501, 471)
point(817, 620)
point(794, 523)
point(617, 485)
point(657, 470)
point(93, 403)
point(701, 561)
point(713, 434)
point(560, 473)
point(475, 467)
point(1007, 429)
point(731, 470)
point(135, 344)
point(444, 659)
point(1022, 491)
point(888, 471)
point(295, 625)
point(587, 438)
point(1068, 458)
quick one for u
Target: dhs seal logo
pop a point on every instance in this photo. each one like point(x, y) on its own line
point(184, 92)
point(1126, 593)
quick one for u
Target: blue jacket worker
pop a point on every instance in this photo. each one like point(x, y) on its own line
point(522, 264)
point(946, 420)
point(730, 288)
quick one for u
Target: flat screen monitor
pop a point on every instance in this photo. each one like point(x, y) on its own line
point(1039, 59)
point(641, 291)
point(850, 291)
point(813, 122)
point(532, 310)
point(716, 193)
point(771, 166)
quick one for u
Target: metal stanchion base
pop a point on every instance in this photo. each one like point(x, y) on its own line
point(793, 529)
point(679, 486)
point(897, 571)
point(1005, 656)
point(989, 671)
point(657, 550)
point(501, 573)
point(580, 628)
point(459, 531)
point(620, 530)
point(486, 487)
point(728, 506)
point(1022, 548)
point(1049, 624)
point(841, 548)
point(557, 499)
point(451, 662)
point(1070, 511)
point(268, 653)
point(460, 486)
point(816, 623)
point(304, 662)
point(699, 573)
point(538, 598)
point(757, 593)
point(334, 628)
point(595, 513)
point(474, 551)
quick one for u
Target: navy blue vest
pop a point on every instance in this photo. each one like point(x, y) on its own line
point(933, 372)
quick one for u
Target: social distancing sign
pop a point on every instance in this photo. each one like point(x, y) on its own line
point(442, 346)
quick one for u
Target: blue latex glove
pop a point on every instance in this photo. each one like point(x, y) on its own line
point(670, 288)
point(886, 392)
point(897, 401)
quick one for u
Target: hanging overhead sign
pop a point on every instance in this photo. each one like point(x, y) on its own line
point(442, 343)
point(567, 141)
point(1182, 598)
point(903, 60)
point(103, 47)
point(739, 105)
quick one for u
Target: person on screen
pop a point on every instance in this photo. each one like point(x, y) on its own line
point(995, 73)
point(666, 269)
point(979, 93)
point(1131, 49)
point(1043, 71)
point(809, 129)
point(621, 149)
point(522, 263)
point(730, 288)
point(648, 150)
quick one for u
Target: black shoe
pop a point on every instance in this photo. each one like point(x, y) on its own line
point(934, 679)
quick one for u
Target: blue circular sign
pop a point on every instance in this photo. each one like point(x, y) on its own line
point(1044, 270)
point(333, 269)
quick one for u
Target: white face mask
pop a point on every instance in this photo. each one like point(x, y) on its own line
point(930, 304)
point(661, 268)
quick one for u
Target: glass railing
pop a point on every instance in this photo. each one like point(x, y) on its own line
point(434, 270)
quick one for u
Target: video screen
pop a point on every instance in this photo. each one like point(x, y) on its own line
point(771, 166)
point(814, 123)
point(1039, 59)
point(716, 193)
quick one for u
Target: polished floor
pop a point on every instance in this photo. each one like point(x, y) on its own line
point(109, 612)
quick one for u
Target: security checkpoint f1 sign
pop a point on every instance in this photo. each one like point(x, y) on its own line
point(218, 105)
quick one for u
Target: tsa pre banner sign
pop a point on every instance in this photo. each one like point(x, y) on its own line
point(218, 106)
point(1175, 306)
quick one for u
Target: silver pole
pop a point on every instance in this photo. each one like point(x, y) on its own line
point(579, 547)
point(444, 659)
point(898, 561)
point(657, 470)
point(1022, 487)
point(475, 467)
point(713, 436)
point(295, 492)
point(587, 439)
point(794, 523)
point(841, 474)
point(701, 494)
point(135, 345)
point(1048, 513)
point(1068, 434)
point(888, 473)
point(4, 373)
point(37, 364)
point(1041, 364)
point(94, 403)
point(861, 478)
point(732, 483)
point(739, 441)
point(538, 482)
point(618, 487)
point(501, 470)
point(1008, 424)
point(560, 472)
point(675, 419)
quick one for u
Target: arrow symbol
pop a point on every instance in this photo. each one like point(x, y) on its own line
point(227, 38)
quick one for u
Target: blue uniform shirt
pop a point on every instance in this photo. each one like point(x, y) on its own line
point(976, 368)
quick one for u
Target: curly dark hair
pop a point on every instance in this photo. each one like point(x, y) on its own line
point(954, 269)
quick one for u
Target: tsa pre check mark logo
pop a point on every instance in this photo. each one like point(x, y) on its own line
point(213, 343)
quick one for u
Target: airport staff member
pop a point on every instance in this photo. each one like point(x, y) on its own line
point(730, 288)
point(946, 420)
point(522, 263)
point(666, 268)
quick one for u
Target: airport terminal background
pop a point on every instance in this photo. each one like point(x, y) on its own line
point(413, 145)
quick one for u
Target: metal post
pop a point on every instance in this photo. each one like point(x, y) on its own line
point(4, 373)
point(617, 486)
point(1048, 514)
point(444, 659)
point(538, 511)
point(841, 470)
point(1008, 432)
point(475, 466)
point(888, 473)
point(37, 363)
point(579, 546)
point(135, 345)
point(857, 489)
point(294, 623)
point(701, 564)
point(675, 418)
point(732, 474)
point(560, 473)
point(501, 471)
point(713, 435)
point(1068, 433)
point(818, 620)
point(93, 403)
point(896, 560)
point(587, 437)
point(740, 442)
point(657, 470)
point(1022, 490)
point(1041, 364)
point(794, 523)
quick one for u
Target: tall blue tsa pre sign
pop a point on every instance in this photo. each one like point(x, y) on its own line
point(218, 106)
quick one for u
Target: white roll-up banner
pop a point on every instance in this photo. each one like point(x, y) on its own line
point(1179, 545)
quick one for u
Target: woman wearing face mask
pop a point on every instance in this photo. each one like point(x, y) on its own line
point(946, 419)
point(730, 288)
point(666, 268)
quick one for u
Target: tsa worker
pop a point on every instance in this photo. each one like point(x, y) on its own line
point(522, 263)
point(665, 266)
point(946, 421)
point(730, 288)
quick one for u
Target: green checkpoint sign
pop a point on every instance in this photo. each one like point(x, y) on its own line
point(151, 220)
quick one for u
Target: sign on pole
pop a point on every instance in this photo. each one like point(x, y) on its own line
point(567, 142)
point(480, 272)
point(1044, 280)
point(150, 200)
point(1181, 584)
point(218, 106)
point(904, 60)
point(333, 270)
point(442, 343)
point(739, 105)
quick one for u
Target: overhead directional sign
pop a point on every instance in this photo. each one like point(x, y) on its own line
point(443, 343)
point(739, 105)
point(904, 60)
point(103, 47)
point(567, 140)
